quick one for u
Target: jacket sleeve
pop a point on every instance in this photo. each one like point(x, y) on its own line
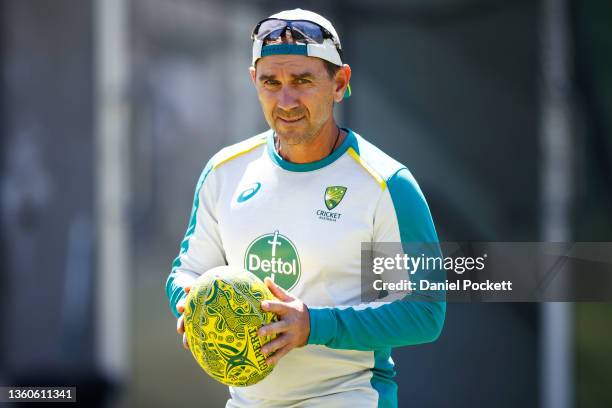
point(201, 248)
point(402, 215)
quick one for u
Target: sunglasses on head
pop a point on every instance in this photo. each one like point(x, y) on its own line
point(301, 30)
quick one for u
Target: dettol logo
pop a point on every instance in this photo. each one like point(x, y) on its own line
point(274, 255)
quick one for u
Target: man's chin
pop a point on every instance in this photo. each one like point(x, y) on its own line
point(292, 135)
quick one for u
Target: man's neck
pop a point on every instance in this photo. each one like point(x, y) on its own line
point(318, 148)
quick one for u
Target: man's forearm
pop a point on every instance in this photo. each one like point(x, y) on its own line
point(399, 323)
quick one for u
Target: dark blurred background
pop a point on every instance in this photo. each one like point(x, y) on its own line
point(109, 109)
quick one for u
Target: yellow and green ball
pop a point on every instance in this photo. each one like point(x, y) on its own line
point(222, 315)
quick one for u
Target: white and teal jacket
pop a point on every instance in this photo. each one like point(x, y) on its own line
point(303, 225)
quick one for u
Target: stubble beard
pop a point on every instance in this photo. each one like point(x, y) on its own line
point(297, 137)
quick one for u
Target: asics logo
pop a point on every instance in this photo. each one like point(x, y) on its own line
point(249, 192)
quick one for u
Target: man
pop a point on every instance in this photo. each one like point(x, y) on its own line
point(294, 204)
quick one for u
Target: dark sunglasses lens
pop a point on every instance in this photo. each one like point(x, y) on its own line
point(275, 35)
point(270, 28)
point(303, 30)
point(308, 30)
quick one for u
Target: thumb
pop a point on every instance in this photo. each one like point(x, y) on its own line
point(277, 291)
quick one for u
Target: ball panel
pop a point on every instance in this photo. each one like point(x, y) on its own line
point(222, 316)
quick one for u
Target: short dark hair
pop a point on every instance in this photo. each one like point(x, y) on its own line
point(331, 68)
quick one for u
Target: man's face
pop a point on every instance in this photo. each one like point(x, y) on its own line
point(296, 94)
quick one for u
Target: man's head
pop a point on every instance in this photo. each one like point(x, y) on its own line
point(298, 73)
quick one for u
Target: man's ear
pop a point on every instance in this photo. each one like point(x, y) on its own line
point(253, 73)
point(342, 78)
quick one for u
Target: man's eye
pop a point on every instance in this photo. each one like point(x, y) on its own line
point(271, 82)
point(302, 81)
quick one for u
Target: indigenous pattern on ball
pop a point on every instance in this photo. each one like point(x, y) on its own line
point(222, 315)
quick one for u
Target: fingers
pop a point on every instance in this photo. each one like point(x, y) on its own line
point(273, 359)
point(180, 322)
point(273, 328)
point(180, 325)
point(275, 306)
point(180, 305)
point(277, 291)
point(276, 344)
point(180, 328)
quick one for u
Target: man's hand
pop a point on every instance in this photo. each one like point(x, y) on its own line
point(180, 325)
point(292, 328)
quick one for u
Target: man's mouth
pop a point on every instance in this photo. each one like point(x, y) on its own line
point(290, 120)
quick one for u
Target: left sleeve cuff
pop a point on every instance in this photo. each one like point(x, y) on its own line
point(322, 326)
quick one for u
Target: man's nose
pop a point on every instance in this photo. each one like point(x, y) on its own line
point(287, 99)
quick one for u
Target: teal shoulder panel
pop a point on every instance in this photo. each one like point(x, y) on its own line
point(411, 209)
point(383, 164)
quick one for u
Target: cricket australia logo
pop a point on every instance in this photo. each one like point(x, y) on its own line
point(274, 255)
point(333, 196)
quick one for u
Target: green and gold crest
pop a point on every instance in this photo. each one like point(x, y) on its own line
point(333, 196)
